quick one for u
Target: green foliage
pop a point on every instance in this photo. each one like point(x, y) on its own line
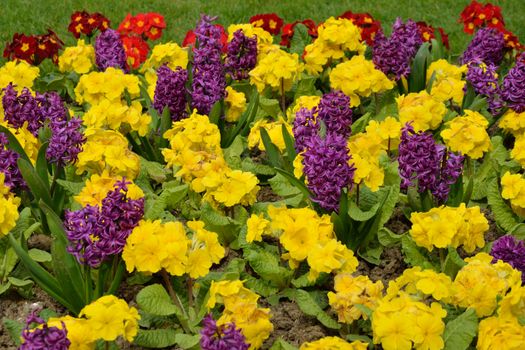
point(309, 306)
point(155, 300)
point(460, 332)
point(267, 265)
point(505, 217)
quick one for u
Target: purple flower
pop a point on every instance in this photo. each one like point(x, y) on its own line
point(19, 109)
point(225, 337)
point(8, 165)
point(44, 337)
point(96, 233)
point(390, 57)
point(335, 112)
point(326, 168)
point(487, 45)
point(484, 80)
point(513, 86)
point(426, 164)
point(510, 250)
point(407, 35)
point(242, 55)
point(305, 126)
point(209, 82)
point(171, 92)
point(109, 51)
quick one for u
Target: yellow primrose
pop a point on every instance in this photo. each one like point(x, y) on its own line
point(274, 130)
point(235, 103)
point(8, 207)
point(467, 134)
point(277, 70)
point(169, 53)
point(79, 59)
point(256, 226)
point(421, 109)
point(333, 343)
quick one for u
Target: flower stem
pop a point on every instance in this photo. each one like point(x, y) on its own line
point(182, 317)
point(283, 97)
point(190, 292)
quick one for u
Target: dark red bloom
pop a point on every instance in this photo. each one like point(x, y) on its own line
point(288, 31)
point(511, 40)
point(146, 25)
point(84, 23)
point(366, 23)
point(428, 33)
point(270, 22)
point(35, 48)
point(476, 15)
point(190, 38)
point(136, 50)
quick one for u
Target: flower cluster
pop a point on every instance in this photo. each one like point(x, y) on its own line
point(444, 226)
point(333, 343)
point(94, 87)
point(512, 251)
point(235, 104)
point(476, 15)
point(447, 83)
point(19, 73)
point(368, 26)
point(467, 134)
point(242, 55)
point(429, 164)
point(196, 153)
point(223, 337)
point(34, 48)
point(351, 291)
point(423, 282)
point(423, 111)
point(8, 207)
point(79, 59)
point(170, 92)
point(513, 87)
point(241, 309)
point(98, 232)
point(109, 51)
point(22, 109)
point(513, 189)
point(37, 335)
point(336, 38)
point(278, 70)
point(358, 78)
point(288, 31)
point(86, 23)
point(148, 25)
point(8, 166)
point(270, 22)
point(487, 45)
point(484, 79)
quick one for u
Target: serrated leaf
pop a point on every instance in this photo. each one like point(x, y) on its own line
point(259, 286)
point(300, 39)
point(503, 214)
point(154, 299)
point(266, 265)
point(224, 226)
point(282, 187)
point(156, 338)
point(308, 305)
point(154, 170)
point(460, 332)
point(172, 193)
point(247, 164)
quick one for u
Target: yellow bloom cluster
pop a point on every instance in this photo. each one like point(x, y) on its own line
point(447, 81)
point(240, 307)
point(416, 281)
point(98, 186)
point(277, 70)
point(169, 53)
point(480, 283)
point(500, 333)
point(513, 122)
point(235, 104)
point(513, 189)
point(263, 37)
point(467, 134)
point(306, 236)
point(444, 226)
point(107, 150)
point(153, 246)
point(20, 73)
point(106, 318)
point(335, 38)
point(117, 115)
point(351, 291)
point(27, 140)
point(357, 78)
point(274, 130)
point(333, 343)
point(518, 152)
point(196, 152)
point(305, 101)
point(424, 111)
point(110, 84)
point(79, 59)
point(8, 207)
point(367, 147)
point(400, 323)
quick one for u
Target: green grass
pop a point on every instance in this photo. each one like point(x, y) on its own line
point(35, 16)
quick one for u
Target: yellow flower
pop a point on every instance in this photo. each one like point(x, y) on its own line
point(256, 225)
point(500, 333)
point(79, 59)
point(204, 252)
point(513, 122)
point(328, 256)
point(298, 165)
point(236, 104)
point(467, 134)
point(263, 37)
point(305, 101)
point(416, 280)
point(98, 186)
point(513, 189)
point(27, 140)
point(424, 111)
point(110, 84)
point(79, 332)
point(333, 343)
point(169, 53)
point(274, 130)
point(8, 207)
point(442, 69)
point(118, 116)
point(357, 78)
point(277, 70)
point(518, 152)
point(237, 187)
point(20, 73)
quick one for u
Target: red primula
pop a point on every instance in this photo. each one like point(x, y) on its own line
point(428, 33)
point(146, 25)
point(35, 48)
point(476, 15)
point(136, 49)
point(366, 23)
point(288, 31)
point(84, 23)
point(268, 21)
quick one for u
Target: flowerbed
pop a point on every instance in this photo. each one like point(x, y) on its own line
point(369, 185)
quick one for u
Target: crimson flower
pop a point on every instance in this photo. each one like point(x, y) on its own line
point(270, 22)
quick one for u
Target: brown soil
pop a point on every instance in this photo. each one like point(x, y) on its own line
point(392, 266)
point(398, 223)
point(40, 241)
point(266, 194)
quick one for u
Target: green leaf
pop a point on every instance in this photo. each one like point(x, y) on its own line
point(172, 193)
point(300, 39)
point(155, 300)
point(359, 215)
point(243, 124)
point(282, 187)
point(271, 150)
point(503, 214)
point(215, 112)
point(266, 265)
point(224, 226)
point(74, 188)
point(360, 124)
point(460, 332)
point(14, 328)
point(41, 163)
point(39, 255)
point(418, 71)
point(453, 262)
point(413, 254)
point(247, 164)
point(518, 231)
point(388, 238)
point(156, 338)
point(154, 170)
point(187, 341)
point(269, 107)
point(280, 344)
point(308, 305)
point(305, 87)
point(17, 282)
point(232, 154)
point(289, 142)
point(38, 188)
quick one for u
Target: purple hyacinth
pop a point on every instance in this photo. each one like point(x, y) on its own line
point(484, 80)
point(109, 51)
point(37, 335)
point(8, 165)
point(209, 81)
point(426, 164)
point(225, 337)
point(171, 92)
point(390, 57)
point(513, 86)
point(326, 168)
point(407, 35)
point(488, 45)
point(19, 109)
point(512, 251)
point(335, 112)
point(242, 55)
point(97, 233)
point(66, 142)
point(305, 126)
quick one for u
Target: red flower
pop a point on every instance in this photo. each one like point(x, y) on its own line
point(125, 27)
point(190, 38)
point(366, 23)
point(289, 30)
point(22, 47)
point(428, 33)
point(476, 15)
point(155, 26)
point(136, 50)
point(48, 46)
point(268, 21)
point(85, 23)
point(147, 25)
point(139, 24)
point(511, 40)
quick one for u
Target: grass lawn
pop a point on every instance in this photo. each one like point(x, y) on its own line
point(35, 16)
